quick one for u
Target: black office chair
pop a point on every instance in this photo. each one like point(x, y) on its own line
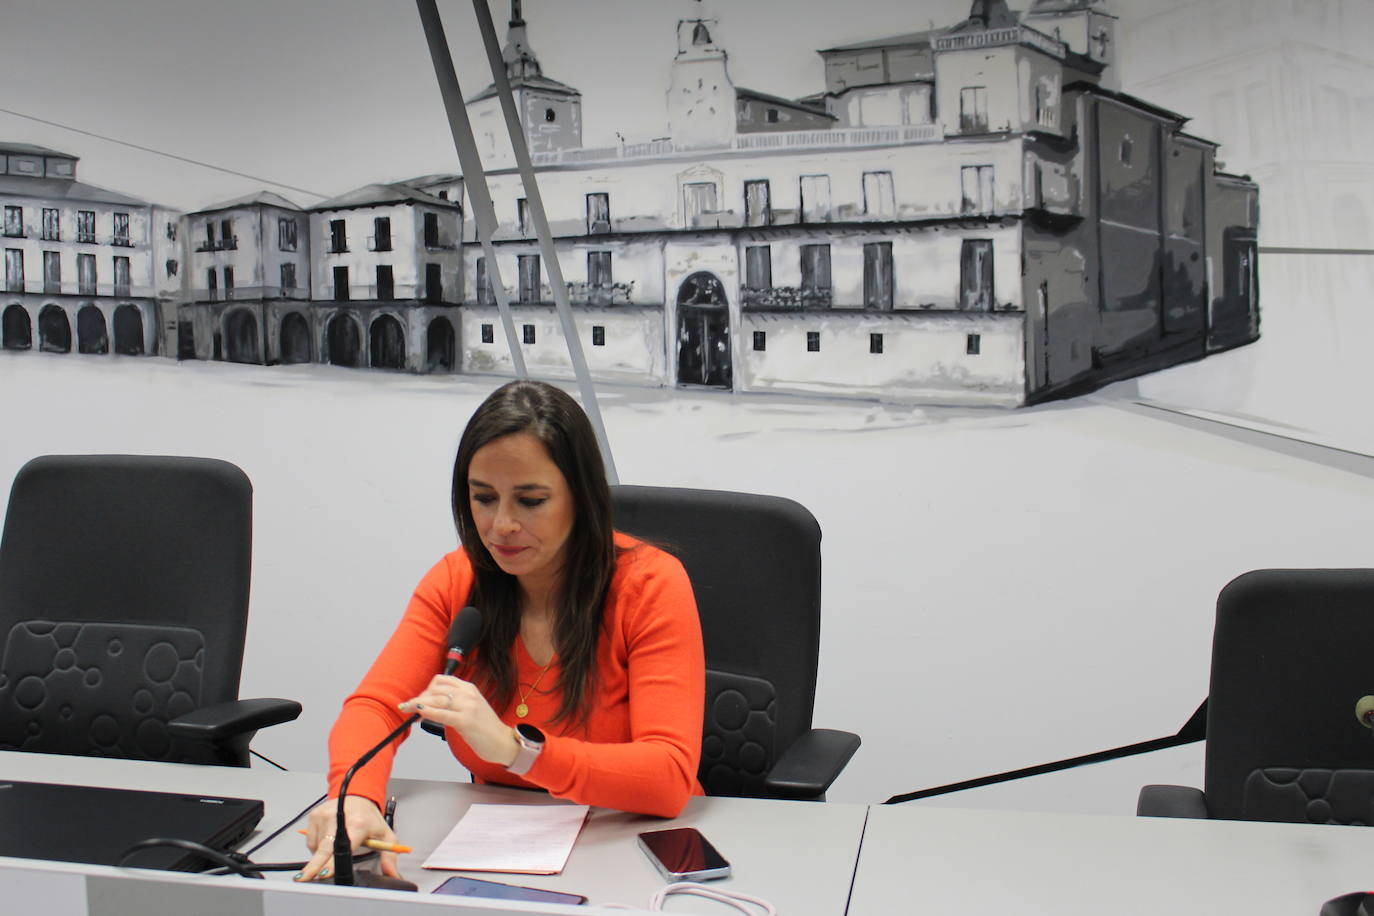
point(123, 610)
point(1290, 660)
point(755, 566)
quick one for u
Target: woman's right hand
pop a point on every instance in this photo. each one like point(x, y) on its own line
point(365, 822)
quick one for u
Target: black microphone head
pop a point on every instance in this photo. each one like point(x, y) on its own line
point(462, 636)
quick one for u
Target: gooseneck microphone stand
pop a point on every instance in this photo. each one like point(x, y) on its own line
point(343, 847)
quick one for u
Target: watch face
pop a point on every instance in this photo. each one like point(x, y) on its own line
point(530, 733)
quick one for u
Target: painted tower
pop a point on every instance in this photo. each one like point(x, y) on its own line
point(550, 111)
point(1085, 26)
point(701, 96)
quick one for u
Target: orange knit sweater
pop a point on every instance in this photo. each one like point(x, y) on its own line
point(641, 744)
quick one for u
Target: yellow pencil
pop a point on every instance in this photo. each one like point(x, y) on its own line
point(379, 845)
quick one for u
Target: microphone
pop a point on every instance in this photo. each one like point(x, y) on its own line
point(462, 636)
point(1364, 711)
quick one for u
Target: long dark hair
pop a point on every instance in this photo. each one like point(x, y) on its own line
point(555, 419)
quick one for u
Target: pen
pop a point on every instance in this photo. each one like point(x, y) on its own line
point(380, 845)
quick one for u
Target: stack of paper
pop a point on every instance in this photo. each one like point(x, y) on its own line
point(523, 839)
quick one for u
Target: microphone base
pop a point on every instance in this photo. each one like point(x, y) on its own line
point(379, 881)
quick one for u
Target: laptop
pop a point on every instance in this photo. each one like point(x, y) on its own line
point(98, 825)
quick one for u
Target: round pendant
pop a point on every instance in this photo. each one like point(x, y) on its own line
point(522, 710)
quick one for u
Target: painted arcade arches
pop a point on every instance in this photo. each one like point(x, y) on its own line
point(16, 328)
point(441, 346)
point(294, 339)
point(343, 341)
point(241, 336)
point(388, 343)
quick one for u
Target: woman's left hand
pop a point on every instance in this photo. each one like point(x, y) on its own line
point(458, 704)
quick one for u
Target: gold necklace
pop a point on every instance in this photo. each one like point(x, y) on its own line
point(521, 710)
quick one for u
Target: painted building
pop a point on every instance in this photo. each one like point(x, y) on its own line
point(972, 214)
point(247, 270)
point(386, 276)
point(87, 270)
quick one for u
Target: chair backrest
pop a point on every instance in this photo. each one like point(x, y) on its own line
point(1290, 658)
point(755, 566)
point(123, 600)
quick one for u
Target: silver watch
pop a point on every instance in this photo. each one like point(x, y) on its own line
point(531, 742)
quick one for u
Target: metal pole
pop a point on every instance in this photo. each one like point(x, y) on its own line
point(541, 225)
point(479, 195)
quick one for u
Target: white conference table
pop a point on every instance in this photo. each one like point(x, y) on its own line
point(955, 860)
point(807, 858)
point(799, 855)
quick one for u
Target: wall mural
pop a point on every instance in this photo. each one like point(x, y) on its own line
point(972, 213)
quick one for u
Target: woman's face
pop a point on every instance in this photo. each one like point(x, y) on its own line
point(522, 508)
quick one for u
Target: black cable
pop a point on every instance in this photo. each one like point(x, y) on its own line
point(268, 760)
point(200, 849)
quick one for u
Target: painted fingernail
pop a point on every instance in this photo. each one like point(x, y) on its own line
point(299, 875)
point(325, 873)
point(419, 706)
point(403, 705)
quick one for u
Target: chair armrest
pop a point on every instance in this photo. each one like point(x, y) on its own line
point(219, 721)
point(1171, 801)
point(807, 768)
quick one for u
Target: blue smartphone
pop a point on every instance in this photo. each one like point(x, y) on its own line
point(463, 886)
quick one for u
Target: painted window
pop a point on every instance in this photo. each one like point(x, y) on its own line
point(598, 335)
point(1046, 104)
point(121, 230)
point(381, 233)
point(227, 239)
point(341, 284)
point(52, 272)
point(386, 282)
point(52, 228)
point(758, 210)
point(815, 276)
point(483, 289)
point(121, 276)
point(758, 274)
point(14, 270)
point(599, 269)
point(488, 333)
point(338, 236)
point(760, 340)
point(813, 341)
point(14, 222)
point(699, 197)
point(976, 185)
point(431, 230)
point(529, 278)
point(286, 233)
point(815, 198)
point(288, 278)
point(598, 213)
point(522, 215)
point(875, 343)
point(85, 225)
point(211, 284)
point(973, 345)
point(527, 333)
point(975, 275)
point(228, 282)
point(973, 109)
point(434, 283)
point(879, 199)
point(171, 266)
point(85, 274)
point(878, 275)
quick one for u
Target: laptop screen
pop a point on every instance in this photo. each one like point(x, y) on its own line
point(98, 825)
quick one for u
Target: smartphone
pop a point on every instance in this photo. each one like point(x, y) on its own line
point(683, 854)
point(463, 886)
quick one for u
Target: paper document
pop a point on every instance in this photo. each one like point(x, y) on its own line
point(524, 839)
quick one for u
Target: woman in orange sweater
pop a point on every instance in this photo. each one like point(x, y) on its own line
point(588, 679)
